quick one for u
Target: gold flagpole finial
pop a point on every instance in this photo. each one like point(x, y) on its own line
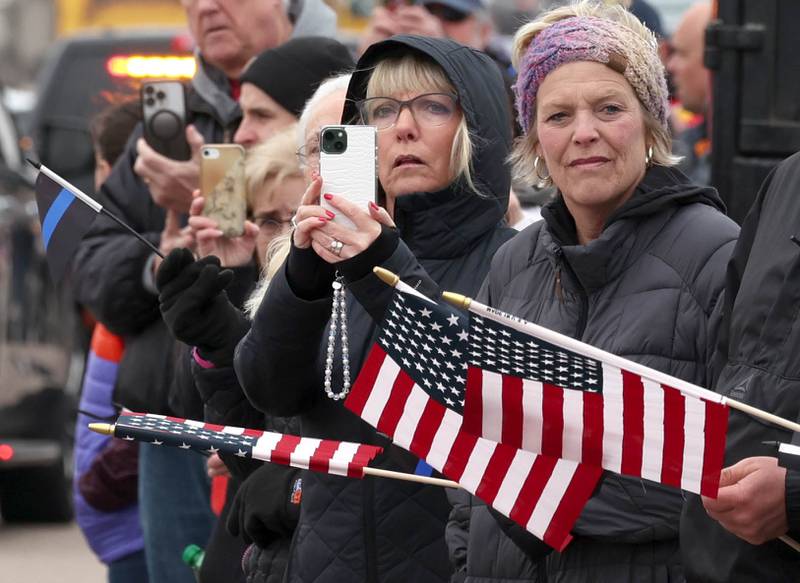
point(103, 428)
point(457, 300)
point(386, 276)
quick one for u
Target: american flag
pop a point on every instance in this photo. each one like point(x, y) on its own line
point(320, 455)
point(412, 388)
point(544, 397)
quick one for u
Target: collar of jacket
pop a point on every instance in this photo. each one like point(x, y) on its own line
point(623, 239)
point(212, 94)
point(446, 223)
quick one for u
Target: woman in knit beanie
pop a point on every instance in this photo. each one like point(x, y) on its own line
point(630, 258)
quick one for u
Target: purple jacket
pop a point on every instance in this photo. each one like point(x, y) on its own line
point(111, 535)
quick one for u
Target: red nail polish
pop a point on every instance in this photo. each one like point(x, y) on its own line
point(323, 219)
point(330, 214)
point(328, 196)
point(374, 206)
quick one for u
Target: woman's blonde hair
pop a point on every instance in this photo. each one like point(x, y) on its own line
point(413, 72)
point(523, 154)
point(271, 162)
point(268, 163)
point(277, 251)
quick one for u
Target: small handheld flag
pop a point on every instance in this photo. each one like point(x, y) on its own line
point(64, 223)
point(321, 455)
point(568, 401)
point(412, 388)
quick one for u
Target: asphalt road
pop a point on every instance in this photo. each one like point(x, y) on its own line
point(47, 554)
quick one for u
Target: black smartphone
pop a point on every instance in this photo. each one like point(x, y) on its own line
point(164, 118)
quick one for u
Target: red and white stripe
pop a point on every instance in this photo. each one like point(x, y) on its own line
point(636, 426)
point(542, 493)
point(342, 458)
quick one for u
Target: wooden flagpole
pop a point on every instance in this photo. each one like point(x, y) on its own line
point(410, 477)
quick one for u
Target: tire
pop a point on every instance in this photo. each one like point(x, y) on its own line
point(36, 495)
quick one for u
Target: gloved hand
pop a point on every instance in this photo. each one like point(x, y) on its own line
point(266, 506)
point(195, 307)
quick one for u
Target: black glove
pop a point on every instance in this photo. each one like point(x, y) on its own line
point(195, 307)
point(267, 505)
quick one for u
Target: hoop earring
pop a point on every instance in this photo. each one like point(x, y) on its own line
point(538, 172)
point(648, 157)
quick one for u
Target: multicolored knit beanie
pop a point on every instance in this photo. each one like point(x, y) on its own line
point(589, 38)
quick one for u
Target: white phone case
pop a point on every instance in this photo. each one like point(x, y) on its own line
point(351, 174)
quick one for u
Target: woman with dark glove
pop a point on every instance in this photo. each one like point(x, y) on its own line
point(630, 258)
point(443, 136)
point(201, 315)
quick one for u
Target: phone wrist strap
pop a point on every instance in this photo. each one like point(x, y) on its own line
point(338, 318)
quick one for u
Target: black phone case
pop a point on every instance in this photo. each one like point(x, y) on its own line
point(164, 118)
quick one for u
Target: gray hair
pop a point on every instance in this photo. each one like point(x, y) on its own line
point(326, 88)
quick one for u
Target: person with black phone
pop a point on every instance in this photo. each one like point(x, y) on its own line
point(268, 87)
point(113, 273)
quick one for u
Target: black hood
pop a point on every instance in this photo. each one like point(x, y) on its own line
point(661, 188)
point(445, 223)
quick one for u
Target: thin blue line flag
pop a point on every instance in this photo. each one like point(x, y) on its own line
point(65, 220)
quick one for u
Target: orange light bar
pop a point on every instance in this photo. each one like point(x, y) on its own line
point(151, 66)
point(6, 452)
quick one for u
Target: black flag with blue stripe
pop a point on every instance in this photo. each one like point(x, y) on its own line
point(65, 220)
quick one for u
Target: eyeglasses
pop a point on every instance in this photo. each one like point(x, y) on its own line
point(446, 13)
point(429, 109)
point(270, 226)
point(308, 155)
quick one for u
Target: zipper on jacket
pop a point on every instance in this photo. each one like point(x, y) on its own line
point(584, 297)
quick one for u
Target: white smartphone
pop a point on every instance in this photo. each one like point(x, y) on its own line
point(348, 166)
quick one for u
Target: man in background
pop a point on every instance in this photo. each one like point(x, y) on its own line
point(692, 82)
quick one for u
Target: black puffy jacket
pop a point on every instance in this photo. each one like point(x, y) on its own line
point(756, 361)
point(643, 290)
point(376, 530)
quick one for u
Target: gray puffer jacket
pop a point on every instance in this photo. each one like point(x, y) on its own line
point(643, 290)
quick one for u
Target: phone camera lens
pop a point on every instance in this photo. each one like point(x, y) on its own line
point(338, 146)
point(161, 95)
point(150, 102)
point(149, 89)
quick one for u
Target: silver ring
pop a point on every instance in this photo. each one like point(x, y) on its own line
point(293, 221)
point(336, 247)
